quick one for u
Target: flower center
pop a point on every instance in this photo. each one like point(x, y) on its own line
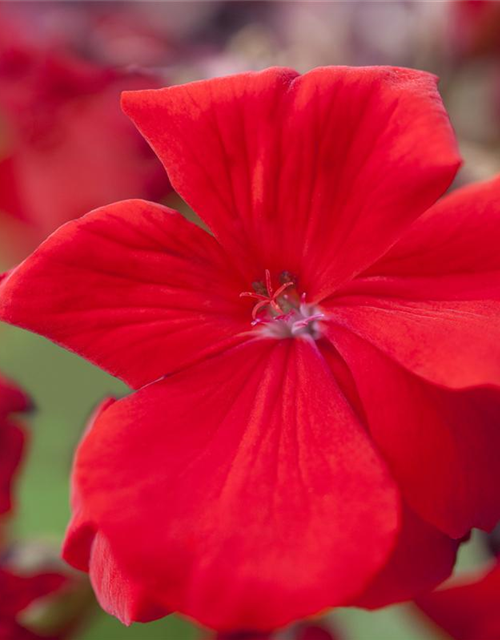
point(283, 312)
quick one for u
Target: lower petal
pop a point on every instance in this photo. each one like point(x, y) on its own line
point(242, 492)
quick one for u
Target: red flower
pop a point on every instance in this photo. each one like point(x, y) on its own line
point(300, 632)
point(69, 148)
point(11, 439)
point(329, 448)
point(475, 25)
point(469, 609)
point(17, 592)
point(314, 632)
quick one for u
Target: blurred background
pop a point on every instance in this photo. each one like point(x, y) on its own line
point(65, 148)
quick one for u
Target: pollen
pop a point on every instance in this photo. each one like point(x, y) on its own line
point(282, 312)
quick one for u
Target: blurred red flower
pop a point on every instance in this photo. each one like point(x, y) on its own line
point(316, 424)
point(65, 145)
point(12, 439)
point(468, 609)
point(300, 632)
point(17, 592)
point(314, 632)
point(475, 25)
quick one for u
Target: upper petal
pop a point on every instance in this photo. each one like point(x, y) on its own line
point(433, 301)
point(242, 492)
point(316, 174)
point(449, 253)
point(132, 287)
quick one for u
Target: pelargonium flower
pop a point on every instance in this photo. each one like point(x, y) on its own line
point(315, 421)
point(12, 438)
point(469, 607)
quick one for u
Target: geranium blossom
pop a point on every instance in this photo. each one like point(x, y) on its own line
point(12, 438)
point(316, 419)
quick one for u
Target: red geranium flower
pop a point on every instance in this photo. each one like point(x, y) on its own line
point(468, 609)
point(12, 439)
point(318, 424)
point(56, 111)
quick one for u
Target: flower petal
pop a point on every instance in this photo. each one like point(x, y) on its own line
point(12, 399)
point(20, 590)
point(118, 595)
point(441, 445)
point(467, 608)
point(433, 302)
point(422, 559)
point(12, 440)
point(242, 492)
point(132, 287)
point(315, 174)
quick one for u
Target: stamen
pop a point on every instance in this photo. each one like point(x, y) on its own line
point(272, 297)
point(288, 314)
point(269, 284)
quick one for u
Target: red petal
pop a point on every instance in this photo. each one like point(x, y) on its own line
point(118, 595)
point(10, 630)
point(132, 287)
point(452, 248)
point(433, 302)
point(12, 399)
point(241, 492)
point(12, 440)
point(468, 609)
point(441, 445)
point(316, 174)
point(422, 559)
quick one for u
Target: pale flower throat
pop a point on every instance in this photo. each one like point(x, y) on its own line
point(283, 313)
